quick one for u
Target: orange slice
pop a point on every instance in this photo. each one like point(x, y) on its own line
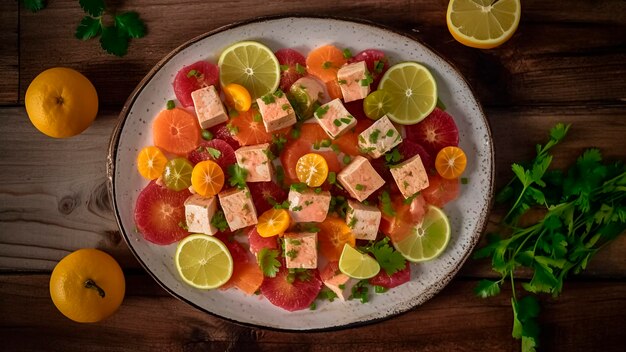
point(273, 222)
point(207, 178)
point(312, 169)
point(324, 62)
point(151, 162)
point(450, 162)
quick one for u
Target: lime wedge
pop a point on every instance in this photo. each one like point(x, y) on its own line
point(428, 239)
point(252, 65)
point(203, 261)
point(301, 102)
point(357, 265)
point(413, 90)
point(377, 103)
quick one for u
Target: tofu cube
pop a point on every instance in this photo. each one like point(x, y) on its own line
point(209, 107)
point(301, 250)
point(198, 214)
point(276, 111)
point(353, 81)
point(360, 179)
point(364, 220)
point(254, 159)
point(238, 208)
point(410, 176)
point(379, 138)
point(308, 206)
point(337, 281)
point(334, 118)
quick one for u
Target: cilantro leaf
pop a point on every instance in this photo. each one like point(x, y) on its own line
point(237, 176)
point(34, 5)
point(219, 221)
point(93, 8)
point(88, 28)
point(385, 201)
point(214, 153)
point(266, 258)
point(130, 23)
point(114, 41)
point(389, 259)
point(487, 288)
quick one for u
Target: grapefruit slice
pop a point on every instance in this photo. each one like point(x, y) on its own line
point(158, 213)
point(390, 281)
point(293, 296)
point(436, 131)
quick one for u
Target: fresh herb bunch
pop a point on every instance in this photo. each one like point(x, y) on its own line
point(114, 38)
point(585, 209)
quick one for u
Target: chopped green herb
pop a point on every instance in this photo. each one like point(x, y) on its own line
point(298, 208)
point(214, 153)
point(279, 93)
point(170, 105)
point(292, 253)
point(192, 73)
point(325, 143)
point(183, 225)
point(313, 306)
point(352, 222)
point(238, 176)
point(326, 294)
point(366, 150)
point(219, 221)
point(346, 120)
point(335, 148)
point(321, 111)
point(464, 180)
point(385, 201)
point(295, 242)
point(342, 81)
point(342, 286)
point(359, 187)
point(326, 65)
point(332, 178)
point(286, 107)
point(300, 69)
point(257, 118)
point(347, 54)
point(410, 199)
point(233, 113)
point(280, 175)
point(317, 190)
point(360, 291)
point(207, 135)
point(379, 65)
point(232, 129)
point(268, 99)
point(337, 122)
point(279, 141)
point(389, 259)
point(367, 80)
point(394, 156)
point(284, 68)
point(380, 289)
point(299, 187)
point(308, 202)
point(373, 137)
point(390, 133)
point(347, 159)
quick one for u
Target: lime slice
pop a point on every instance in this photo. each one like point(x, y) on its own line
point(413, 90)
point(301, 102)
point(203, 261)
point(356, 264)
point(377, 103)
point(428, 239)
point(252, 65)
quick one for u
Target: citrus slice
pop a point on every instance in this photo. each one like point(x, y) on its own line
point(324, 62)
point(237, 96)
point(312, 169)
point(377, 103)
point(207, 178)
point(333, 235)
point(357, 265)
point(177, 174)
point(413, 91)
point(252, 65)
point(428, 239)
point(450, 162)
point(203, 261)
point(273, 222)
point(483, 24)
point(151, 162)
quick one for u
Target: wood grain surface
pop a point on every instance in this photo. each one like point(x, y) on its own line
point(564, 64)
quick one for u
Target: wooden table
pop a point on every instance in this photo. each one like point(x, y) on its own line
point(565, 63)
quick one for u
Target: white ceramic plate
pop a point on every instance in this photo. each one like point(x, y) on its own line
point(467, 215)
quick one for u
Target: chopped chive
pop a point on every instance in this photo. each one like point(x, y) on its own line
point(347, 54)
point(192, 73)
point(359, 187)
point(300, 69)
point(170, 105)
point(342, 81)
point(347, 159)
point(464, 180)
point(379, 66)
point(207, 135)
point(268, 99)
point(374, 136)
point(286, 107)
point(390, 133)
point(278, 93)
point(326, 65)
point(321, 111)
point(337, 123)
point(257, 117)
point(346, 120)
point(284, 68)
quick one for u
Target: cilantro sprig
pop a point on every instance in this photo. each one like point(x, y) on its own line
point(268, 263)
point(237, 176)
point(387, 257)
point(114, 38)
point(585, 209)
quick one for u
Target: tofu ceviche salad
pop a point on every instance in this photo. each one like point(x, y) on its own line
point(300, 178)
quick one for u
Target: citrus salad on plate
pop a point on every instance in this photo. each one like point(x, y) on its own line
point(300, 177)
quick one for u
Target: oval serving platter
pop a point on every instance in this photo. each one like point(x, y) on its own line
point(468, 214)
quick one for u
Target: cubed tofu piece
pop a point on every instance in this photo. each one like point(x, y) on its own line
point(238, 208)
point(364, 220)
point(354, 82)
point(308, 206)
point(301, 250)
point(198, 214)
point(379, 138)
point(254, 159)
point(360, 179)
point(276, 111)
point(337, 281)
point(410, 176)
point(334, 118)
point(209, 107)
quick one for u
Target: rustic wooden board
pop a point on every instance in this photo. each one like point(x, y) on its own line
point(542, 58)
point(9, 49)
point(455, 320)
point(54, 195)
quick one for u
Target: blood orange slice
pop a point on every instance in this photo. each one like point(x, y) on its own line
point(215, 150)
point(193, 77)
point(390, 281)
point(293, 296)
point(436, 131)
point(292, 67)
point(158, 213)
point(265, 194)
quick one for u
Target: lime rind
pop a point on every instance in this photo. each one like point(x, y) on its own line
point(357, 265)
point(205, 264)
point(413, 90)
point(255, 57)
point(429, 239)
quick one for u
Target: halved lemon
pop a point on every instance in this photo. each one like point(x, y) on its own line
point(483, 24)
point(203, 261)
point(252, 65)
point(413, 91)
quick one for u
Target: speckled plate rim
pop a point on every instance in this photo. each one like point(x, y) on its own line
point(115, 138)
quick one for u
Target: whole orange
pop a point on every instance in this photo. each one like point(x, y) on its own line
point(61, 102)
point(87, 285)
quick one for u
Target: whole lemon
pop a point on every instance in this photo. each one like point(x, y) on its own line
point(61, 102)
point(87, 285)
